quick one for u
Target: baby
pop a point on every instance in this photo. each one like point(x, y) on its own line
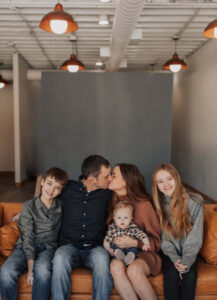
point(123, 225)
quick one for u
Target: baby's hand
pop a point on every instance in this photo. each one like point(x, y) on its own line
point(111, 252)
point(146, 244)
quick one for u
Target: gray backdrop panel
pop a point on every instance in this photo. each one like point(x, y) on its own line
point(125, 117)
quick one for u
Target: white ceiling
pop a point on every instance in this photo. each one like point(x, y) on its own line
point(159, 21)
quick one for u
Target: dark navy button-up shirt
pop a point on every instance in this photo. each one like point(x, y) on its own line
point(84, 214)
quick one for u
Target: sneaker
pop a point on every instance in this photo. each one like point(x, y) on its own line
point(129, 258)
point(119, 254)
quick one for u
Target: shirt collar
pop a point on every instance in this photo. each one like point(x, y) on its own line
point(39, 204)
point(81, 184)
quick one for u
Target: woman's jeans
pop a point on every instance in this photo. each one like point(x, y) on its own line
point(68, 257)
point(16, 264)
point(176, 288)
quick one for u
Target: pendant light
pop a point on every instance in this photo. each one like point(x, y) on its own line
point(3, 82)
point(175, 64)
point(73, 64)
point(58, 21)
point(211, 30)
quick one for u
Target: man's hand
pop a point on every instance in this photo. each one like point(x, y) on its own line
point(125, 242)
point(30, 278)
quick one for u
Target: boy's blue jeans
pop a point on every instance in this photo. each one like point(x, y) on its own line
point(68, 257)
point(16, 264)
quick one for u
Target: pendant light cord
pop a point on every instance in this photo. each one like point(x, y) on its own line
point(175, 38)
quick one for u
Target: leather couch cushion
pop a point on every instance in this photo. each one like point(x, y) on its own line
point(8, 237)
point(1, 216)
point(81, 281)
point(206, 280)
point(209, 248)
point(9, 210)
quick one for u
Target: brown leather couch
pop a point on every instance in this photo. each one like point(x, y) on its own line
point(81, 279)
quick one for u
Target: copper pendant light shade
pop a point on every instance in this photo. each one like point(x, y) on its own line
point(3, 82)
point(211, 30)
point(175, 61)
point(66, 20)
point(73, 65)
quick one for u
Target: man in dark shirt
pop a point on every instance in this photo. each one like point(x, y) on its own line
point(83, 229)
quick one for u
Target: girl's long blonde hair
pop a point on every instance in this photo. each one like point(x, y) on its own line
point(181, 224)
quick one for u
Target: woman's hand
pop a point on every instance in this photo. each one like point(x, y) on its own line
point(30, 278)
point(125, 242)
point(180, 267)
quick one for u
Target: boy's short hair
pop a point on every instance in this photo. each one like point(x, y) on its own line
point(58, 174)
point(122, 204)
point(92, 165)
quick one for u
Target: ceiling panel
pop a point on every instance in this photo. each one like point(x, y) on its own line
point(159, 21)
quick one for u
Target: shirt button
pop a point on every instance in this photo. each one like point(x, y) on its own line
point(85, 202)
point(83, 225)
point(84, 214)
point(82, 236)
point(87, 195)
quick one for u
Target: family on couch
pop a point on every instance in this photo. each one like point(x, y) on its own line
point(80, 212)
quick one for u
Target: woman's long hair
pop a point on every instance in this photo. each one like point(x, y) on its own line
point(181, 224)
point(135, 186)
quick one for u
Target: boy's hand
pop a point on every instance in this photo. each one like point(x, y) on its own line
point(146, 244)
point(30, 278)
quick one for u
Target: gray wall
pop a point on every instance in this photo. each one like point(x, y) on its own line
point(33, 149)
point(6, 129)
point(26, 118)
point(125, 117)
point(194, 141)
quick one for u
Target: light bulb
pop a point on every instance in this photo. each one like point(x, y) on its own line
point(175, 68)
point(99, 63)
point(73, 68)
point(215, 32)
point(58, 26)
point(103, 20)
point(2, 85)
point(105, 1)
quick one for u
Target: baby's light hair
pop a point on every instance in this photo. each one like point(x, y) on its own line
point(122, 204)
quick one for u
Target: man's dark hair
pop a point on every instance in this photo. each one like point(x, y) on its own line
point(92, 165)
point(58, 174)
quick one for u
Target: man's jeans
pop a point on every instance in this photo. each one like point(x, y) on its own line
point(16, 264)
point(68, 257)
